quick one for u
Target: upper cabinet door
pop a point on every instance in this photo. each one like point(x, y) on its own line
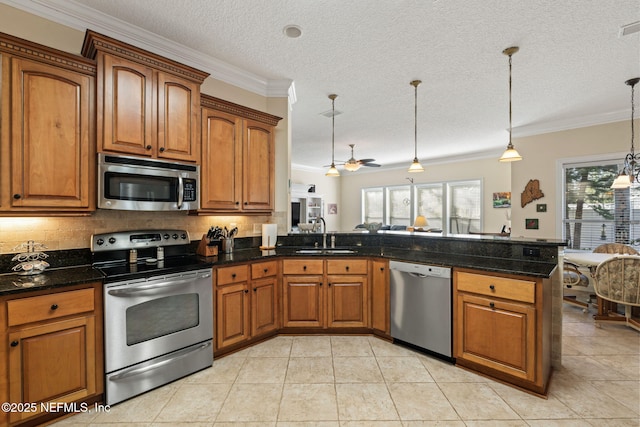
point(126, 98)
point(51, 142)
point(221, 177)
point(258, 166)
point(178, 113)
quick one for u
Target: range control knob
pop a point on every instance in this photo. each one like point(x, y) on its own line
point(112, 240)
point(165, 236)
point(100, 242)
point(183, 236)
point(175, 237)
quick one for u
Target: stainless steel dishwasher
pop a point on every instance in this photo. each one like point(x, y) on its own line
point(421, 306)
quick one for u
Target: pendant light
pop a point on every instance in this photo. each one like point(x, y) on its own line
point(333, 171)
point(510, 154)
point(415, 165)
point(630, 169)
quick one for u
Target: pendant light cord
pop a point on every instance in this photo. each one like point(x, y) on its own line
point(333, 129)
point(633, 110)
point(510, 144)
point(415, 120)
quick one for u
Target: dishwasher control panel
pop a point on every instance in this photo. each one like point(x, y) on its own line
point(421, 269)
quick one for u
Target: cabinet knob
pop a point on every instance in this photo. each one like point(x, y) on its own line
point(14, 343)
point(329, 284)
point(246, 203)
point(492, 305)
point(233, 275)
point(17, 196)
point(237, 203)
point(162, 149)
point(304, 267)
point(347, 268)
point(492, 287)
point(255, 289)
point(54, 306)
point(265, 270)
point(246, 291)
point(148, 147)
point(381, 268)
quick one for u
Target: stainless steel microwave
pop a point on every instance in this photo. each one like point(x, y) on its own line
point(139, 184)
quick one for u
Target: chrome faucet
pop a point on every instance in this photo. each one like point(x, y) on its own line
point(324, 231)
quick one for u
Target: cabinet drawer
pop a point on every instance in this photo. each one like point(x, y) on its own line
point(302, 266)
point(234, 274)
point(347, 266)
point(52, 306)
point(499, 287)
point(264, 269)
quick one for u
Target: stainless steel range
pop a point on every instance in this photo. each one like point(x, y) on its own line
point(158, 309)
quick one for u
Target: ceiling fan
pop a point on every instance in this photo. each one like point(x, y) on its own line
point(353, 165)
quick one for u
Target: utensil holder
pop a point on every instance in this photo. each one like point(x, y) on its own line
point(207, 247)
point(227, 245)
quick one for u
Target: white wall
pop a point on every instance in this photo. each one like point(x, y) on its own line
point(326, 186)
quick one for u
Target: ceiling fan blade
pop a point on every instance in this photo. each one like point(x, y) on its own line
point(366, 160)
point(371, 165)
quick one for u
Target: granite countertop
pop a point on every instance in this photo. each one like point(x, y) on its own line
point(48, 279)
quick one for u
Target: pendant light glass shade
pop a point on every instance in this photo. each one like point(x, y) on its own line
point(510, 154)
point(415, 165)
point(630, 170)
point(333, 171)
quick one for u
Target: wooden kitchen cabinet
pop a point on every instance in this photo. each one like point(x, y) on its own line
point(502, 327)
point(325, 293)
point(53, 347)
point(238, 158)
point(147, 105)
point(380, 303)
point(47, 146)
point(246, 302)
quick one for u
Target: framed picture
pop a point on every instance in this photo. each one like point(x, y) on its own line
point(541, 207)
point(531, 223)
point(332, 208)
point(502, 200)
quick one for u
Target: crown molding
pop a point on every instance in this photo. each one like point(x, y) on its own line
point(567, 124)
point(81, 17)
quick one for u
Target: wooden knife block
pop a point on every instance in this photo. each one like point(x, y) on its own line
point(206, 250)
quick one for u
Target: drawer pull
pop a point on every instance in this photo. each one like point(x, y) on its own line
point(304, 267)
point(265, 270)
point(492, 305)
point(347, 268)
point(54, 306)
point(14, 343)
point(233, 275)
point(492, 287)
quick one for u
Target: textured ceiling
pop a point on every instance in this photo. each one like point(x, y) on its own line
point(570, 70)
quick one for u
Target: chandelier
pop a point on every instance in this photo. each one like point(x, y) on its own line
point(630, 169)
point(510, 154)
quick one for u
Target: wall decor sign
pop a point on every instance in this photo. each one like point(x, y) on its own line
point(332, 208)
point(531, 192)
point(541, 207)
point(531, 223)
point(502, 199)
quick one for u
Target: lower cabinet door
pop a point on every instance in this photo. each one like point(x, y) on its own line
point(347, 301)
point(54, 362)
point(497, 334)
point(303, 301)
point(264, 306)
point(232, 315)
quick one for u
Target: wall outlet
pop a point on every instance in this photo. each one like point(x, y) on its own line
point(532, 252)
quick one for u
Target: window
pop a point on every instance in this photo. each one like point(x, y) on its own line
point(454, 207)
point(594, 213)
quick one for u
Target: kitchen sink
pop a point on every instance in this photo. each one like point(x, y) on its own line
point(320, 251)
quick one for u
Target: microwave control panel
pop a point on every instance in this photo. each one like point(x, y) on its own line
point(189, 190)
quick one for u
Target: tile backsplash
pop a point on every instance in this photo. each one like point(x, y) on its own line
point(60, 233)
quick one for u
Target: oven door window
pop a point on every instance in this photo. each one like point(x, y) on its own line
point(142, 188)
point(161, 316)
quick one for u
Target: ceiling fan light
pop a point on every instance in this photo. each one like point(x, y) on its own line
point(510, 155)
point(333, 171)
point(352, 166)
point(416, 166)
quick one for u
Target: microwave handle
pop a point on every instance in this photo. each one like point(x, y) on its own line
point(180, 192)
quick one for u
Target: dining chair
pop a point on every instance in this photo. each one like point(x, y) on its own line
point(615, 248)
point(572, 276)
point(618, 280)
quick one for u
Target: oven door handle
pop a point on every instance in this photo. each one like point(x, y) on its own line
point(150, 287)
point(180, 192)
point(170, 358)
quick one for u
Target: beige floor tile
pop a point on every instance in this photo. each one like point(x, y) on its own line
point(224, 370)
point(371, 423)
point(275, 347)
point(169, 424)
point(627, 365)
point(421, 401)
point(442, 371)
point(384, 348)
point(143, 408)
point(557, 423)
point(356, 370)
point(614, 422)
point(311, 346)
point(125, 424)
point(403, 370)
point(605, 345)
point(589, 368)
point(256, 424)
point(184, 406)
point(308, 402)
point(363, 402)
point(473, 401)
point(251, 402)
point(625, 392)
point(350, 346)
point(307, 424)
point(496, 423)
point(310, 370)
point(263, 370)
point(531, 407)
point(433, 424)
